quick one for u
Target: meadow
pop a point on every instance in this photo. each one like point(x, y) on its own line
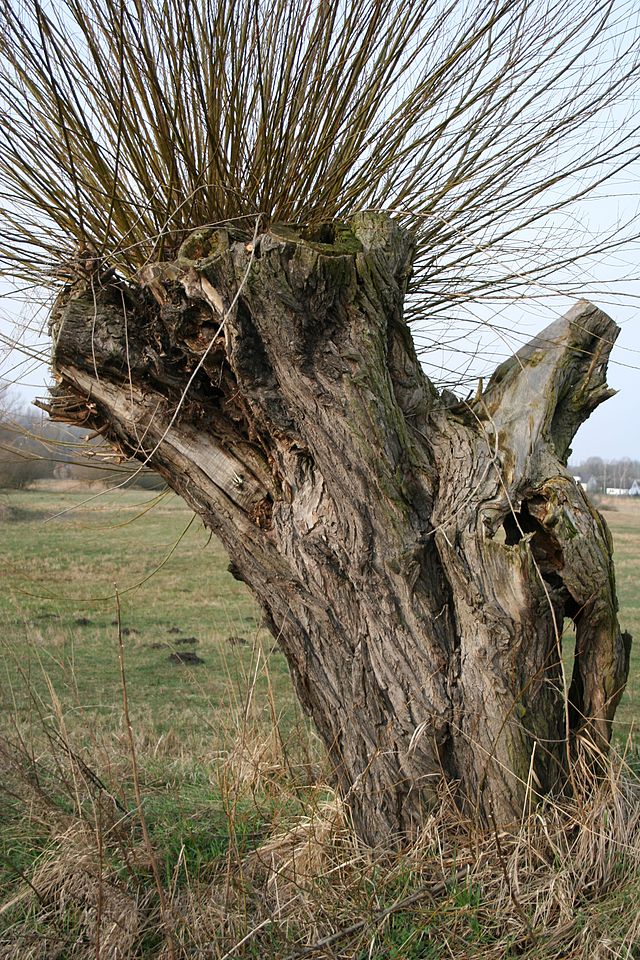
point(163, 796)
point(623, 517)
point(69, 559)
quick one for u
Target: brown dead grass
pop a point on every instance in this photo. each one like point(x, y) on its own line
point(565, 884)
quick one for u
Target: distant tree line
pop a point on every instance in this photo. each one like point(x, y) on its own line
point(33, 448)
point(599, 474)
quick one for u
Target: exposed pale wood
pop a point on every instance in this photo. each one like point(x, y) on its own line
point(415, 558)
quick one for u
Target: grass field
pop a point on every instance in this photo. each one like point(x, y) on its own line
point(64, 558)
point(224, 759)
point(623, 518)
point(64, 554)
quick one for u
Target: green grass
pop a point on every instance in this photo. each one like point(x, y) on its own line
point(62, 554)
point(217, 779)
point(64, 557)
point(623, 518)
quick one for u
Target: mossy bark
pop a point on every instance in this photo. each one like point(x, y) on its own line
point(414, 555)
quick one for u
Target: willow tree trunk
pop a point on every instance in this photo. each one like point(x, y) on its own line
point(415, 555)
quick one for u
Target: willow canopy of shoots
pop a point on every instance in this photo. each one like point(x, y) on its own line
point(127, 123)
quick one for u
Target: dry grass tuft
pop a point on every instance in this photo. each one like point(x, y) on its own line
point(288, 877)
point(563, 884)
point(75, 886)
point(255, 759)
point(318, 845)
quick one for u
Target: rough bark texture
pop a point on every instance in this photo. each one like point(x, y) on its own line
point(415, 555)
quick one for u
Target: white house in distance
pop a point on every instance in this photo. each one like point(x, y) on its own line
point(632, 491)
point(591, 486)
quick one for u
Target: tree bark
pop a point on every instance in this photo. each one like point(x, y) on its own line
point(415, 555)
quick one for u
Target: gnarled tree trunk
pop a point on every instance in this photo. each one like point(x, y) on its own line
point(415, 555)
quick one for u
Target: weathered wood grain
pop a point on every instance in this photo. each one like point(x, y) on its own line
point(415, 558)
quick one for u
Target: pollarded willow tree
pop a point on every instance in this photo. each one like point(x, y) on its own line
point(243, 205)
